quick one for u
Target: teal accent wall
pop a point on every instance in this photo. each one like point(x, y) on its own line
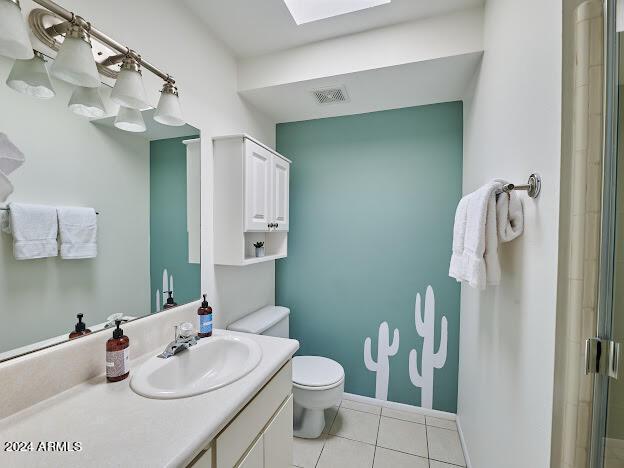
point(372, 204)
point(168, 233)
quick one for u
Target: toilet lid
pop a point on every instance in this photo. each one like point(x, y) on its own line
point(316, 371)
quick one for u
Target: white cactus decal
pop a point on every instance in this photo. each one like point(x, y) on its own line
point(382, 366)
point(425, 326)
point(167, 286)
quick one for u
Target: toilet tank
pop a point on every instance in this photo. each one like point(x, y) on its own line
point(270, 320)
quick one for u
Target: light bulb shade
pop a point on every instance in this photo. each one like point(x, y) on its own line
point(75, 64)
point(87, 102)
point(130, 120)
point(169, 111)
point(129, 90)
point(31, 77)
point(14, 40)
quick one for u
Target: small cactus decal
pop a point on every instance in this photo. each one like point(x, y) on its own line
point(167, 286)
point(385, 349)
point(430, 360)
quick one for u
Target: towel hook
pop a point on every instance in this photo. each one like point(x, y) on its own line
point(533, 187)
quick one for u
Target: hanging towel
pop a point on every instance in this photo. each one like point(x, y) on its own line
point(510, 216)
point(34, 229)
point(10, 156)
point(475, 260)
point(78, 232)
point(6, 187)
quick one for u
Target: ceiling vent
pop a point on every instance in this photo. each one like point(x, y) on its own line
point(331, 95)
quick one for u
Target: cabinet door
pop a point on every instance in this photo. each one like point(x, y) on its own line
point(278, 438)
point(255, 457)
point(281, 176)
point(257, 187)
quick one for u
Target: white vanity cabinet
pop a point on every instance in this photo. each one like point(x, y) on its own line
point(261, 435)
point(251, 200)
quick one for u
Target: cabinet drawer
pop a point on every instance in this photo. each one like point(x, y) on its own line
point(239, 435)
point(278, 438)
point(254, 458)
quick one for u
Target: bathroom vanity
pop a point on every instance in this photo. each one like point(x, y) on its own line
point(247, 423)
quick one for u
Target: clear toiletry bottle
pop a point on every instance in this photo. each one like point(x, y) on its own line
point(80, 329)
point(205, 319)
point(117, 355)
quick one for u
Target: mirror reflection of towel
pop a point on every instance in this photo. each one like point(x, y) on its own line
point(10, 159)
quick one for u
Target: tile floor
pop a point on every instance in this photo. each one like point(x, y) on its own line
point(359, 435)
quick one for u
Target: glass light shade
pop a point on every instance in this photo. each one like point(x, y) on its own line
point(169, 111)
point(14, 40)
point(75, 64)
point(31, 77)
point(87, 102)
point(130, 120)
point(129, 90)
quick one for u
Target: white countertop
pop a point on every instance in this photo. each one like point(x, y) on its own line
point(117, 427)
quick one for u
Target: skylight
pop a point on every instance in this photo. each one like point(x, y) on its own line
point(306, 11)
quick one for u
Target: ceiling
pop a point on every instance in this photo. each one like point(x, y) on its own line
point(255, 27)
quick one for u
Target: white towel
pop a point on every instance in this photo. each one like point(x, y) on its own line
point(475, 260)
point(34, 228)
point(10, 156)
point(78, 232)
point(510, 216)
point(6, 187)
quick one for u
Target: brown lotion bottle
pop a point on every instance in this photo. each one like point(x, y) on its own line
point(205, 319)
point(80, 330)
point(170, 302)
point(117, 355)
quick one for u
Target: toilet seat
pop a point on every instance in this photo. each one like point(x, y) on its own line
point(316, 372)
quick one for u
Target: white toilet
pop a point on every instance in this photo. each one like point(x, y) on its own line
point(318, 382)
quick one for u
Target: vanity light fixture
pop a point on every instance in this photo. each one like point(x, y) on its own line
point(74, 62)
point(31, 77)
point(130, 120)
point(169, 111)
point(14, 40)
point(87, 102)
point(129, 90)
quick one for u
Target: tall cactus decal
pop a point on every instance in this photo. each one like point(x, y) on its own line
point(425, 326)
point(385, 349)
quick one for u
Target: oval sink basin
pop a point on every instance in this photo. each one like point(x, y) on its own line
point(212, 363)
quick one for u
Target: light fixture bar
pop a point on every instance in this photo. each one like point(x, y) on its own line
point(100, 36)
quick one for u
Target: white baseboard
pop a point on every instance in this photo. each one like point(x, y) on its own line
point(400, 406)
point(463, 442)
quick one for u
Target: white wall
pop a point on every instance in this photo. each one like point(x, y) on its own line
point(206, 74)
point(507, 339)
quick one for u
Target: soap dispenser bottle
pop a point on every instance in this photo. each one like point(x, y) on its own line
point(117, 355)
point(80, 329)
point(170, 302)
point(205, 319)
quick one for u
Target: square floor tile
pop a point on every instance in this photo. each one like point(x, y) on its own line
point(404, 415)
point(385, 458)
point(330, 415)
point(444, 445)
point(403, 436)
point(345, 453)
point(306, 452)
point(443, 423)
point(356, 425)
point(356, 405)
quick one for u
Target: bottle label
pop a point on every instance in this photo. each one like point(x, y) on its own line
point(116, 363)
point(205, 323)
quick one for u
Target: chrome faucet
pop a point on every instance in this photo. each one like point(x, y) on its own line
point(184, 338)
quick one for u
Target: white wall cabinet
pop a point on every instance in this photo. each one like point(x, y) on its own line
point(251, 200)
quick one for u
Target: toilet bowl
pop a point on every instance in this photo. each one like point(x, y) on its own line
point(318, 382)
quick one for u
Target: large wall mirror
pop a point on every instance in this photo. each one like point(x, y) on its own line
point(145, 188)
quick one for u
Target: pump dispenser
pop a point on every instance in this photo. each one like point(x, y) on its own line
point(170, 302)
point(117, 355)
point(80, 329)
point(205, 319)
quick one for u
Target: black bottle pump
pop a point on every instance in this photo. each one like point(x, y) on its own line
point(170, 302)
point(80, 329)
point(117, 332)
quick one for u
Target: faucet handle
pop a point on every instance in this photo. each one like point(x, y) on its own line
point(185, 329)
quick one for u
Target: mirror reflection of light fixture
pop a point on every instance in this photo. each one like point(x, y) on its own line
point(87, 102)
point(130, 120)
point(31, 77)
point(14, 40)
point(74, 62)
point(169, 111)
point(129, 90)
